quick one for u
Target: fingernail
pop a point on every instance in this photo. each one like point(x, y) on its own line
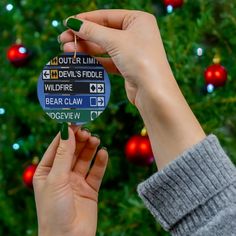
point(74, 24)
point(85, 129)
point(64, 22)
point(104, 148)
point(95, 135)
point(61, 46)
point(58, 39)
point(64, 131)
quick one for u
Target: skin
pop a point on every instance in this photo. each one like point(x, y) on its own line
point(66, 192)
point(133, 43)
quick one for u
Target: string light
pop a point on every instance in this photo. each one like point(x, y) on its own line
point(22, 50)
point(169, 8)
point(16, 146)
point(55, 23)
point(210, 88)
point(9, 7)
point(2, 111)
point(199, 52)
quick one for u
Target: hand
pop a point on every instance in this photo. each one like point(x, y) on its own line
point(133, 42)
point(66, 192)
point(130, 38)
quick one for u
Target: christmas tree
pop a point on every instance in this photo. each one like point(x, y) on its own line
point(196, 35)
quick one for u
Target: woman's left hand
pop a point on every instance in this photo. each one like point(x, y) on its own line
point(66, 192)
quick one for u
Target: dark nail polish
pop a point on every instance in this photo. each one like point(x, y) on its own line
point(85, 129)
point(95, 135)
point(74, 24)
point(64, 131)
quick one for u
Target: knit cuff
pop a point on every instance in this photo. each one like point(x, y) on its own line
point(186, 184)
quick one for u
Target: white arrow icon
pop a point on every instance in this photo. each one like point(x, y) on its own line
point(46, 74)
point(100, 101)
point(100, 88)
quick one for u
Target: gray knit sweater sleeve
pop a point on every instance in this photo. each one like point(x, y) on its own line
point(196, 193)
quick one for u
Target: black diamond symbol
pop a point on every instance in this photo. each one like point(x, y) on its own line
point(93, 88)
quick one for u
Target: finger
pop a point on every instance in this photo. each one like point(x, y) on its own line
point(66, 36)
point(89, 31)
point(81, 137)
point(97, 171)
point(75, 128)
point(93, 49)
point(108, 64)
point(64, 154)
point(83, 161)
point(84, 46)
point(109, 18)
point(49, 155)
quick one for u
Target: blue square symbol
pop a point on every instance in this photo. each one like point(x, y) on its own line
point(93, 101)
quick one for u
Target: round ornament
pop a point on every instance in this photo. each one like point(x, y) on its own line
point(138, 150)
point(73, 89)
point(215, 75)
point(29, 174)
point(18, 55)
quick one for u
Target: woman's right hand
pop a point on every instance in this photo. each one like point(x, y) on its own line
point(131, 39)
point(133, 42)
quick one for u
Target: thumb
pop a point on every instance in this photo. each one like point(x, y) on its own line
point(65, 152)
point(87, 30)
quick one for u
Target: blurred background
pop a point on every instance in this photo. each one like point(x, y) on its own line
point(200, 41)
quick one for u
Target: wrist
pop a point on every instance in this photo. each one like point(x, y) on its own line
point(171, 125)
point(155, 80)
point(43, 231)
point(156, 89)
point(50, 233)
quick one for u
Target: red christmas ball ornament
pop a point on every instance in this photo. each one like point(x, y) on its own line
point(28, 175)
point(18, 55)
point(216, 75)
point(138, 150)
point(174, 3)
